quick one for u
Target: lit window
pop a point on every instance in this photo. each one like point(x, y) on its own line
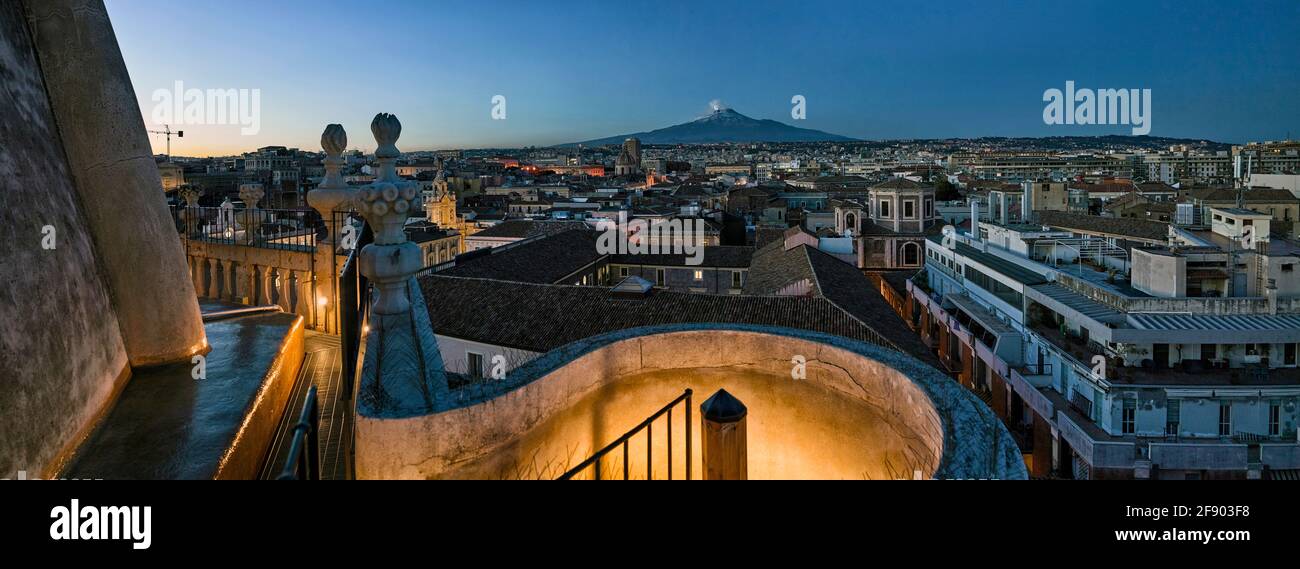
point(699, 275)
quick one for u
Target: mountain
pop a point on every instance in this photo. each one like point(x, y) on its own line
point(722, 125)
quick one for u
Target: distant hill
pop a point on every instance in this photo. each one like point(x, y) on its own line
point(722, 125)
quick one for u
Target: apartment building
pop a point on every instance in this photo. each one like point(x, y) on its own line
point(1113, 353)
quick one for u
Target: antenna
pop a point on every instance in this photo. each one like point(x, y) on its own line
point(167, 130)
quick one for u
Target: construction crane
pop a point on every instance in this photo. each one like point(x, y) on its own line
point(167, 130)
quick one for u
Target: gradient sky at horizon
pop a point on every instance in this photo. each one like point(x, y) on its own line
point(580, 70)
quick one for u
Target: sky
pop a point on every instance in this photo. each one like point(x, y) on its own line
point(571, 71)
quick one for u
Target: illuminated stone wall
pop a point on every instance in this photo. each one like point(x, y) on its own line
point(861, 412)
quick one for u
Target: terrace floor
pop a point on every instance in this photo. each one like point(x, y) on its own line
point(322, 366)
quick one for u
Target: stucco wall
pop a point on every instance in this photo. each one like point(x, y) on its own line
point(880, 415)
point(61, 352)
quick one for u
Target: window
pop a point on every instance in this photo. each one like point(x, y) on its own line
point(1274, 419)
point(659, 277)
point(735, 279)
point(1172, 414)
point(1225, 419)
point(884, 209)
point(622, 271)
point(911, 254)
point(699, 276)
point(1128, 418)
point(909, 209)
point(929, 209)
point(474, 365)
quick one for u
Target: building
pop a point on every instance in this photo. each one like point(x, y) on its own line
point(890, 229)
point(628, 162)
point(514, 230)
point(1117, 348)
point(1272, 157)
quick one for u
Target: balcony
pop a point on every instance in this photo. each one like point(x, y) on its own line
point(285, 229)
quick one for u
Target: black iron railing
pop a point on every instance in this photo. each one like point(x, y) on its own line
point(353, 303)
point(292, 229)
point(647, 426)
point(304, 450)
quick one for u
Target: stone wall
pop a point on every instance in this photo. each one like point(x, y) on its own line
point(861, 412)
point(61, 352)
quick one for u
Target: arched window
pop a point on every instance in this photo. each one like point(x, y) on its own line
point(850, 222)
point(911, 254)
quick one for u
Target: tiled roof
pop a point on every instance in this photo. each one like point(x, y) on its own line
point(1256, 195)
point(717, 256)
point(843, 284)
point(899, 184)
point(540, 318)
point(774, 268)
point(545, 260)
point(526, 228)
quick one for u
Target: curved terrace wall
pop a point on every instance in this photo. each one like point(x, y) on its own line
point(861, 412)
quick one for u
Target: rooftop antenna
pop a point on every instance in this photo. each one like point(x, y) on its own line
point(167, 130)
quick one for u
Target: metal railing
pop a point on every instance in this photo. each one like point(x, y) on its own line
point(292, 229)
point(353, 302)
point(304, 451)
point(645, 425)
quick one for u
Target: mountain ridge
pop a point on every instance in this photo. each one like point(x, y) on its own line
point(721, 125)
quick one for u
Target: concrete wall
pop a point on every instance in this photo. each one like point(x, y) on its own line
point(61, 353)
point(854, 416)
point(1159, 275)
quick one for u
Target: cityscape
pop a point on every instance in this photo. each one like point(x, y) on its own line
point(264, 262)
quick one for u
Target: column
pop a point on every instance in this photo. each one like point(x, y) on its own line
point(303, 295)
point(285, 289)
point(196, 273)
point(212, 282)
point(229, 283)
point(268, 285)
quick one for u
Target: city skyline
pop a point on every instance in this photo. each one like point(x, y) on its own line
point(571, 71)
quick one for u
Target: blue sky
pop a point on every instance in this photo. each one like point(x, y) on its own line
point(579, 70)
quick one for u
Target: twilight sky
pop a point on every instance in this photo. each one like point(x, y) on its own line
point(1227, 71)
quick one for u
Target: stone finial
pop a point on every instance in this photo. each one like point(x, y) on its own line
point(251, 217)
point(190, 194)
point(386, 129)
point(334, 140)
point(251, 194)
point(333, 192)
point(391, 260)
